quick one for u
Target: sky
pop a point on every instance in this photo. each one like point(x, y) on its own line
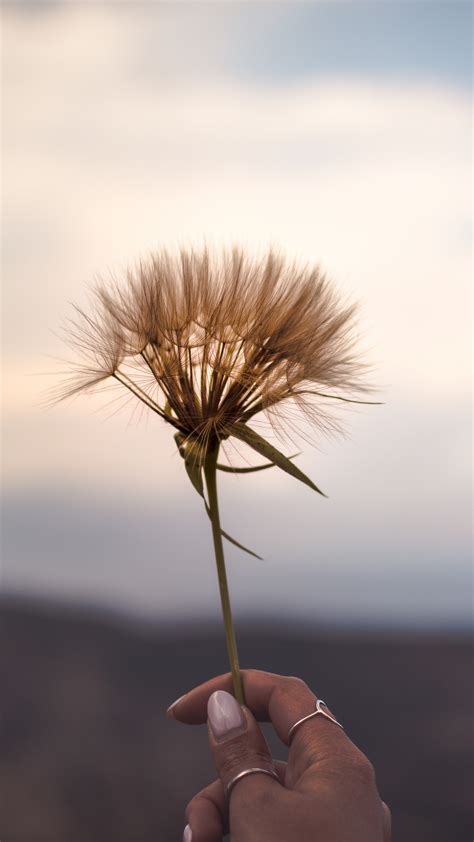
point(338, 132)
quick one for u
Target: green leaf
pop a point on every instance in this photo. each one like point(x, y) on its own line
point(254, 440)
point(232, 540)
point(193, 467)
point(230, 470)
point(194, 472)
point(192, 462)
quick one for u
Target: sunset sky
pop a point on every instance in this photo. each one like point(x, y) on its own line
point(340, 133)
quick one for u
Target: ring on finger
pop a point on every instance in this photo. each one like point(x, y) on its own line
point(251, 771)
point(318, 712)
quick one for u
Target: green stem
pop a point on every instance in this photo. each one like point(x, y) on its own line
point(210, 472)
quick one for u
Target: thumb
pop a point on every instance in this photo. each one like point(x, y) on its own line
point(238, 746)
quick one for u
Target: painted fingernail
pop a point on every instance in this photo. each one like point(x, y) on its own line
point(170, 710)
point(188, 834)
point(226, 717)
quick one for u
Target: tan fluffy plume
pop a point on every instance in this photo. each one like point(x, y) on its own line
point(207, 341)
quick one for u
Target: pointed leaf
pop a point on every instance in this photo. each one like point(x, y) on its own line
point(180, 439)
point(232, 540)
point(239, 545)
point(192, 463)
point(254, 440)
point(194, 472)
point(230, 470)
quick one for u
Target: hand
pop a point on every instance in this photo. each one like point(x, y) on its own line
point(325, 793)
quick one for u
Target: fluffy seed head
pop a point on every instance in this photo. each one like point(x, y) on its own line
point(210, 340)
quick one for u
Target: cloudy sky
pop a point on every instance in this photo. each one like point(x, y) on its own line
point(339, 132)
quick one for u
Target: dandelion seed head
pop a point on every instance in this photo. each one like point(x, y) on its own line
point(207, 340)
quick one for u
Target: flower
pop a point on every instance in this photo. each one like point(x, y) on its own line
point(207, 341)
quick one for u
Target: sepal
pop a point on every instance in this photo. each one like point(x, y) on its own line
point(254, 440)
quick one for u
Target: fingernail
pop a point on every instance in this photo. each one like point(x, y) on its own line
point(169, 712)
point(188, 834)
point(226, 717)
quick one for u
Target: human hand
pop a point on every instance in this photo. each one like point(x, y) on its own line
point(325, 793)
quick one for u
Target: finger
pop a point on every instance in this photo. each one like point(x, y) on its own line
point(237, 746)
point(207, 815)
point(387, 823)
point(283, 699)
point(280, 767)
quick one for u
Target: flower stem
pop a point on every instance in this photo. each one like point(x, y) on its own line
point(210, 472)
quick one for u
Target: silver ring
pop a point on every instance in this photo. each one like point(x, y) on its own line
point(318, 711)
point(251, 771)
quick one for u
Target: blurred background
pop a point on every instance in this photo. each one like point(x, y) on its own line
point(340, 133)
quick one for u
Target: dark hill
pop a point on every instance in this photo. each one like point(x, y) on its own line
point(87, 755)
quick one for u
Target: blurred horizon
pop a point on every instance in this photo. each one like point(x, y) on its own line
point(117, 614)
point(340, 133)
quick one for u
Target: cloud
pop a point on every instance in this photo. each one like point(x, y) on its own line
point(372, 180)
point(118, 140)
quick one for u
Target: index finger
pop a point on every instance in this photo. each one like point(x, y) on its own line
point(279, 698)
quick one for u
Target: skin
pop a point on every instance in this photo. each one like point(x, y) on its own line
point(326, 791)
